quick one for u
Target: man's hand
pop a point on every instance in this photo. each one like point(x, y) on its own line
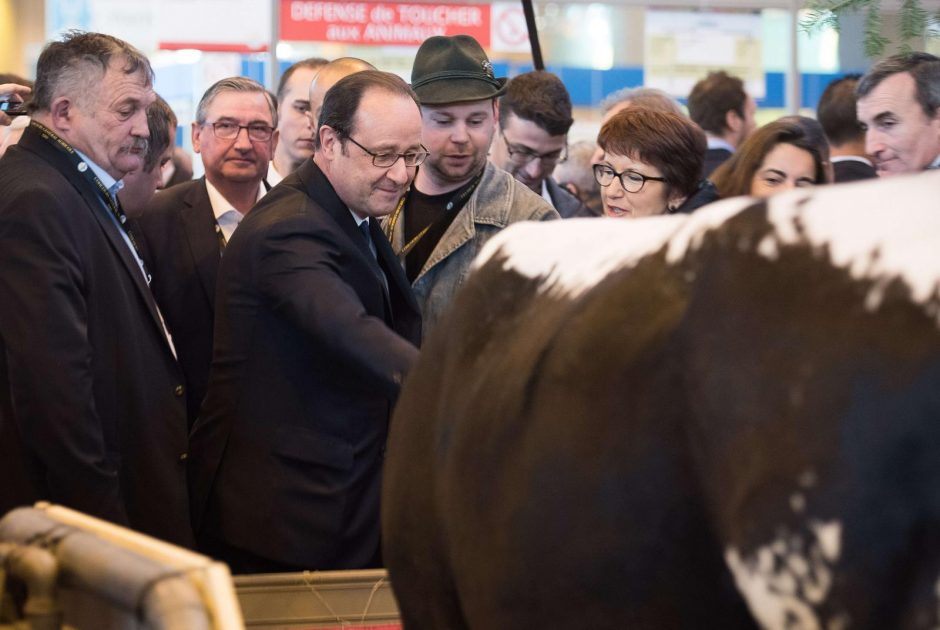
point(11, 92)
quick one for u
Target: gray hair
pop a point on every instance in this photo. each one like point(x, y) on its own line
point(650, 98)
point(78, 62)
point(234, 84)
point(577, 167)
point(923, 67)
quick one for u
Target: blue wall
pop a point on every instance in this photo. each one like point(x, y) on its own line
point(587, 87)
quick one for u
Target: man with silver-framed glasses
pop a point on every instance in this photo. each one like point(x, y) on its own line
point(534, 119)
point(185, 229)
point(316, 329)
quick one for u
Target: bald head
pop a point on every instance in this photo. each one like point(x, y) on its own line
point(646, 97)
point(327, 78)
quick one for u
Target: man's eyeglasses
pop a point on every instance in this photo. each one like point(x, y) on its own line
point(631, 181)
point(387, 160)
point(225, 130)
point(520, 156)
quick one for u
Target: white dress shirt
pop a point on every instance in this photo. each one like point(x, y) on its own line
point(113, 187)
point(226, 216)
point(273, 177)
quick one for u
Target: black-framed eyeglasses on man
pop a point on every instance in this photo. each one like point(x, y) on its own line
point(521, 156)
point(228, 130)
point(631, 181)
point(387, 160)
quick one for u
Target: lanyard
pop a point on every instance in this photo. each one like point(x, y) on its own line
point(82, 167)
point(457, 202)
point(221, 235)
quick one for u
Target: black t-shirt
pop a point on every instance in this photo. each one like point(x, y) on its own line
point(421, 211)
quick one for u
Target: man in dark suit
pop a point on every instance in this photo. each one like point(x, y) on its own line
point(725, 112)
point(92, 413)
point(184, 230)
point(534, 119)
point(315, 328)
point(836, 113)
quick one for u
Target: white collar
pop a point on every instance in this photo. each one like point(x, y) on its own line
point(221, 205)
point(545, 194)
point(273, 177)
point(109, 182)
point(718, 143)
point(851, 158)
point(359, 220)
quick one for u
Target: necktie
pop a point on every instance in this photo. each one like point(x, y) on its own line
point(364, 228)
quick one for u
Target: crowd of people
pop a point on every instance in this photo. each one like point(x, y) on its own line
point(216, 363)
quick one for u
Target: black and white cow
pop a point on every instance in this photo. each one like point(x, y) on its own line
point(724, 420)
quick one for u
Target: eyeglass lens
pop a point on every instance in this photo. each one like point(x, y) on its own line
point(229, 130)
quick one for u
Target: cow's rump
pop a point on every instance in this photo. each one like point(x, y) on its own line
point(704, 421)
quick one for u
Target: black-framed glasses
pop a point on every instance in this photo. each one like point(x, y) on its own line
point(631, 181)
point(387, 160)
point(228, 130)
point(520, 156)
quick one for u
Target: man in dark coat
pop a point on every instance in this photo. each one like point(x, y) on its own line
point(315, 328)
point(837, 115)
point(92, 407)
point(723, 109)
point(534, 119)
point(184, 230)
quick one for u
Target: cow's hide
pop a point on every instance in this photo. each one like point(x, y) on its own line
point(716, 421)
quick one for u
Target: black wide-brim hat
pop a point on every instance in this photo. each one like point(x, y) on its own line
point(453, 70)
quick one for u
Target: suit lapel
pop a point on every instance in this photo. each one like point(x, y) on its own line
point(319, 189)
point(394, 272)
point(349, 226)
point(199, 225)
point(102, 215)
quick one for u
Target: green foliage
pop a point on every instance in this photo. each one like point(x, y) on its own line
point(914, 22)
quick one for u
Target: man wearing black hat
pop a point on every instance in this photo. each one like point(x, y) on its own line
point(458, 200)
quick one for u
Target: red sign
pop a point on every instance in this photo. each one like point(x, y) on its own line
point(381, 23)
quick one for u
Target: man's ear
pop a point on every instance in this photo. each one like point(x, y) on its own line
point(197, 136)
point(275, 138)
point(63, 113)
point(935, 121)
point(675, 202)
point(572, 188)
point(733, 121)
point(329, 142)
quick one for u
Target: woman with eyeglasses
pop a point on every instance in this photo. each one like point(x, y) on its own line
point(778, 157)
point(651, 163)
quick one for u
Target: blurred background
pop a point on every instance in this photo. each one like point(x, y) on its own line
point(595, 47)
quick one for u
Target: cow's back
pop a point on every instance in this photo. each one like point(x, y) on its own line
point(638, 440)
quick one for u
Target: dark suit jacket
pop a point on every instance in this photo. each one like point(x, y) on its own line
point(567, 205)
point(713, 159)
point(179, 242)
point(852, 171)
point(706, 194)
point(92, 413)
point(308, 360)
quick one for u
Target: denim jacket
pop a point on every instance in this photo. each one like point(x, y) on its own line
point(498, 201)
